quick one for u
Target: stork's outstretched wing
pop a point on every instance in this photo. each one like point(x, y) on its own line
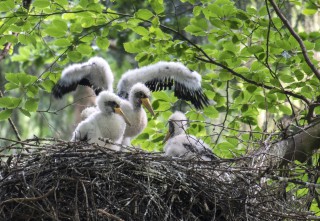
point(95, 73)
point(166, 75)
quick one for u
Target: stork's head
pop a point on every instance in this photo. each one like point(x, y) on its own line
point(109, 103)
point(140, 95)
point(177, 125)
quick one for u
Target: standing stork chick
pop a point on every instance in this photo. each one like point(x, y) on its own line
point(139, 95)
point(94, 73)
point(180, 144)
point(107, 122)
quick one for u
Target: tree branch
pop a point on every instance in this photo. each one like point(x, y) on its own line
point(254, 82)
point(299, 146)
point(297, 37)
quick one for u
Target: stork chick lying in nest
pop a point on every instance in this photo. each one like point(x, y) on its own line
point(180, 144)
point(107, 122)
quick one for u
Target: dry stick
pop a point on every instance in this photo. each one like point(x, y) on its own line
point(297, 37)
point(31, 199)
point(104, 213)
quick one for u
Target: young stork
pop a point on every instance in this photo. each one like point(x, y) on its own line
point(139, 95)
point(180, 144)
point(166, 75)
point(107, 122)
point(99, 77)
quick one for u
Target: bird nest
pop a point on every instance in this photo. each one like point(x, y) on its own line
point(56, 180)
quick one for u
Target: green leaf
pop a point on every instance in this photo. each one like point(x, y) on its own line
point(102, 43)
point(299, 75)
point(157, 6)
point(141, 31)
point(41, 4)
point(26, 39)
point(62, 42)
point(7, 6)
point(136, 46)
point(251, 88)
point(286, 110)
point(25, 112)
point(286, 78)
point(255, 49)
point(31, 105)
point(47, 85)
point(308, 11)
point(163, 106)
point(54, 31)
point(225, 76)
point(32, 91)
point(62, 2)
point(9, 102)
point(74, 56)
point(5, 114)
point(211, 112)
point(144, 14)
point(10, 86)
point(84, 49)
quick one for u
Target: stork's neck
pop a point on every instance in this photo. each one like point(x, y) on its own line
point(178, 130)
point(136, 103)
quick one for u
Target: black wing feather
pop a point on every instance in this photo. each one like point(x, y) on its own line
point(60, 89)
point(197, 98)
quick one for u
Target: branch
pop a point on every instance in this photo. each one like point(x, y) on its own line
point(31, 199)
point(297, 37)
point(299, 146)
point(254, 82)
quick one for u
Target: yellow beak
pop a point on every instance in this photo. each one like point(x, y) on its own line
point(119, 111)
point(168, 135)
point(147, 104)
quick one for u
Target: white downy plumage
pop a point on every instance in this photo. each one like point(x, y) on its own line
point(107, 122)
point(180, 144)
point(101, 77)
point(139, 95)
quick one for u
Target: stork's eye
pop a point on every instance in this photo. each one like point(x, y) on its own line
point(140, 94)
point(111, 104)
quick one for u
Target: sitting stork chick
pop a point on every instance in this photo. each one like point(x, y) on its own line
point(107, 122)
point(180, 144)
point(139, 95)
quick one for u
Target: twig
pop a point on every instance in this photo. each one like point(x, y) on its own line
point(106, 214)
point(31, 199)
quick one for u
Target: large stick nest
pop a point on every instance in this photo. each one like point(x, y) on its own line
point(58, 180)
